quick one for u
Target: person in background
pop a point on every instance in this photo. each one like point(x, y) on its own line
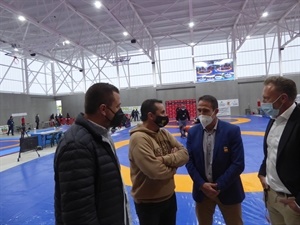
point(37, 121)
point(182, 116)
point(216, 161)
point(133, 115)
point(23, 121)
point(52, 121)
point(23, 127)
point(88, 183)
point(68, 118)
point(57, 121)
point(154, 156)
point(136, 115)
point(279, 171)
point(10, 123)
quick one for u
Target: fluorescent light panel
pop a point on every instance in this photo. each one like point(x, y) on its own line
point(97, 4)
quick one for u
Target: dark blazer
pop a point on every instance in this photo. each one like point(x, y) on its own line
point(288, 155)
point(228, 162)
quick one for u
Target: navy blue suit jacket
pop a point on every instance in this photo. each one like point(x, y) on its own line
point(228, 162)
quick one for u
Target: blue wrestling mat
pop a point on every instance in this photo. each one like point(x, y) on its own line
point(27, 190)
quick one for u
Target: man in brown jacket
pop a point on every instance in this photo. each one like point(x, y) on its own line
point(154, 156)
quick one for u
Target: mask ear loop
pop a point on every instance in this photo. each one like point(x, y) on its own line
point(111, 111)
point(277, 98)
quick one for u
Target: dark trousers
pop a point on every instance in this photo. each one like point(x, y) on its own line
point(10, 129)
point(161, 213)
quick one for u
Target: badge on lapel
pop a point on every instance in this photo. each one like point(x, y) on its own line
point(225, 149)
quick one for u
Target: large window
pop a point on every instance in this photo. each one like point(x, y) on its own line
point(255, 58)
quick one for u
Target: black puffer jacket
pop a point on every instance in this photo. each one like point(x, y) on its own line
point(88, 184)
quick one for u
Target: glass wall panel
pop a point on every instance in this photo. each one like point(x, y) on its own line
point(110, 71)
point(12, 73)
point(210, 57)
point(176, 65)
point(273, 68)
point(290, 67)
point(9, 60)
point(140, 68)
point(178, 77)
point(12, 86)
point(245, 71)
point(253, 44)
point(211, 49)
point(253, 57)
point(143, 80)
point(175, 53)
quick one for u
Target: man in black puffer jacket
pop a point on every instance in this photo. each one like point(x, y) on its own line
point(88, 184)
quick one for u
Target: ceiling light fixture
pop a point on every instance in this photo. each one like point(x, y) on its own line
point(16, 50)
point(125, 33)
point(192, 43)
point(248, 37)
point(66, 42)
point(21, 18)
point(97, 4)
point(265, 14)
point(191, 24)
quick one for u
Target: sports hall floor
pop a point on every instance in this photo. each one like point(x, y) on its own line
point(27, 186)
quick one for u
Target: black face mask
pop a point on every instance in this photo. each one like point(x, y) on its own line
point(161, 121)
point(117, 119)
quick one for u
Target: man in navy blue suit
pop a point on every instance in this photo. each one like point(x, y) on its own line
point(216, 160)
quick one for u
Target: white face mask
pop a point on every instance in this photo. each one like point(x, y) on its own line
point(205, 120)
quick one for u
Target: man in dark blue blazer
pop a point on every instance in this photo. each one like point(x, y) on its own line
point(280, 170)
point(216, 160)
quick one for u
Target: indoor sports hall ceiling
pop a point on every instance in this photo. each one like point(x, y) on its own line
point(68, 30)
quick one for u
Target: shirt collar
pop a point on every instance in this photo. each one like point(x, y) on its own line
point(103, 130)
point(287, 113)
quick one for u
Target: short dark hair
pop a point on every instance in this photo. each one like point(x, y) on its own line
point(209, 98)
point(283, 85)
point(148, 106)
point(97, 94)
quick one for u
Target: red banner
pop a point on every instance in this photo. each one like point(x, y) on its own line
point(190, 105)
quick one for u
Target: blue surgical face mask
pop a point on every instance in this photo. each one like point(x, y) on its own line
point(269, 109)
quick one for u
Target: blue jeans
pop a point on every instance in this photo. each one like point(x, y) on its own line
point(182, 125)
point(160, 213)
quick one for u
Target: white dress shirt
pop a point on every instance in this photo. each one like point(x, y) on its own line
point(273, 139)
point(208, 148)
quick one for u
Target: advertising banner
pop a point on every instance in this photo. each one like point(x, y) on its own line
point(214, 70)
